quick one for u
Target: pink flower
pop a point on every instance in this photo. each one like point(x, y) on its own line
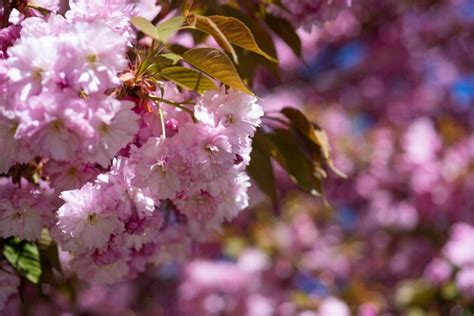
point(13, 150)
point(231, 194)
point(69, 175)
point(155, 169)
point(85, 220)
point(143, 231)
point(94, 54)
point(205, 149)
point(238, 112)
point(8, 35)
point(24, 211)
point(53, 25)
point(50, 124)
point(102, 268)
point(115, 125)
point(198, 204)
point(173, 117)
point(115, 14)
point(148, 9)
point(127, 200)
point(29, 68)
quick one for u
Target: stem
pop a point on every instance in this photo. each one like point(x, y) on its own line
point(162, 120)
point(175, 104)
point(188, 101)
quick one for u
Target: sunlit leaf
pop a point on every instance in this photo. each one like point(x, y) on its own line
point(248, 63)
point(49, 257)
point(162, 32)
point(166, 29)
point(217, 65)
point(145, 26)
point(166, 59)
point(188, 78)
point(205, 24)
point(24, 257)
point(258, 29)
point(238, 34)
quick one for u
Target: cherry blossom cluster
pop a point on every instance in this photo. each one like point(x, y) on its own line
point(191, 180)
point(138, 180)
point(25, 210)
point(56, 102)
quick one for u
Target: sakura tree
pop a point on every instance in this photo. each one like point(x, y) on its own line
point(127, 130)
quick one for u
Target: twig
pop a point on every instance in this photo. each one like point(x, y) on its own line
point(175, 104)
point(162, 120)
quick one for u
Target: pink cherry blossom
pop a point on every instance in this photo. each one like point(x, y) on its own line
point(155, 167)
point(98, 54)
point(85, 220)
point(115, 14)
point(25, 210)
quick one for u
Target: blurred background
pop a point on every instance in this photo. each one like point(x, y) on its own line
point(392, 83)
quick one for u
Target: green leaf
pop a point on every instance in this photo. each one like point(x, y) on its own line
point(283, 146)
point(145, 26)
point(48, 246)
point(317, 138)
point(166, 29)
point(260, 167)
point(217, 65)
point(286, 32)
point(256, 26)
point(24, 257)
point(49, 257)
point(162, 32)
point(173, 57)
point(188, 78)
point(167, 59)
point(206, 25)
point(248, 62)
point(239, 34)
point(177, 48)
